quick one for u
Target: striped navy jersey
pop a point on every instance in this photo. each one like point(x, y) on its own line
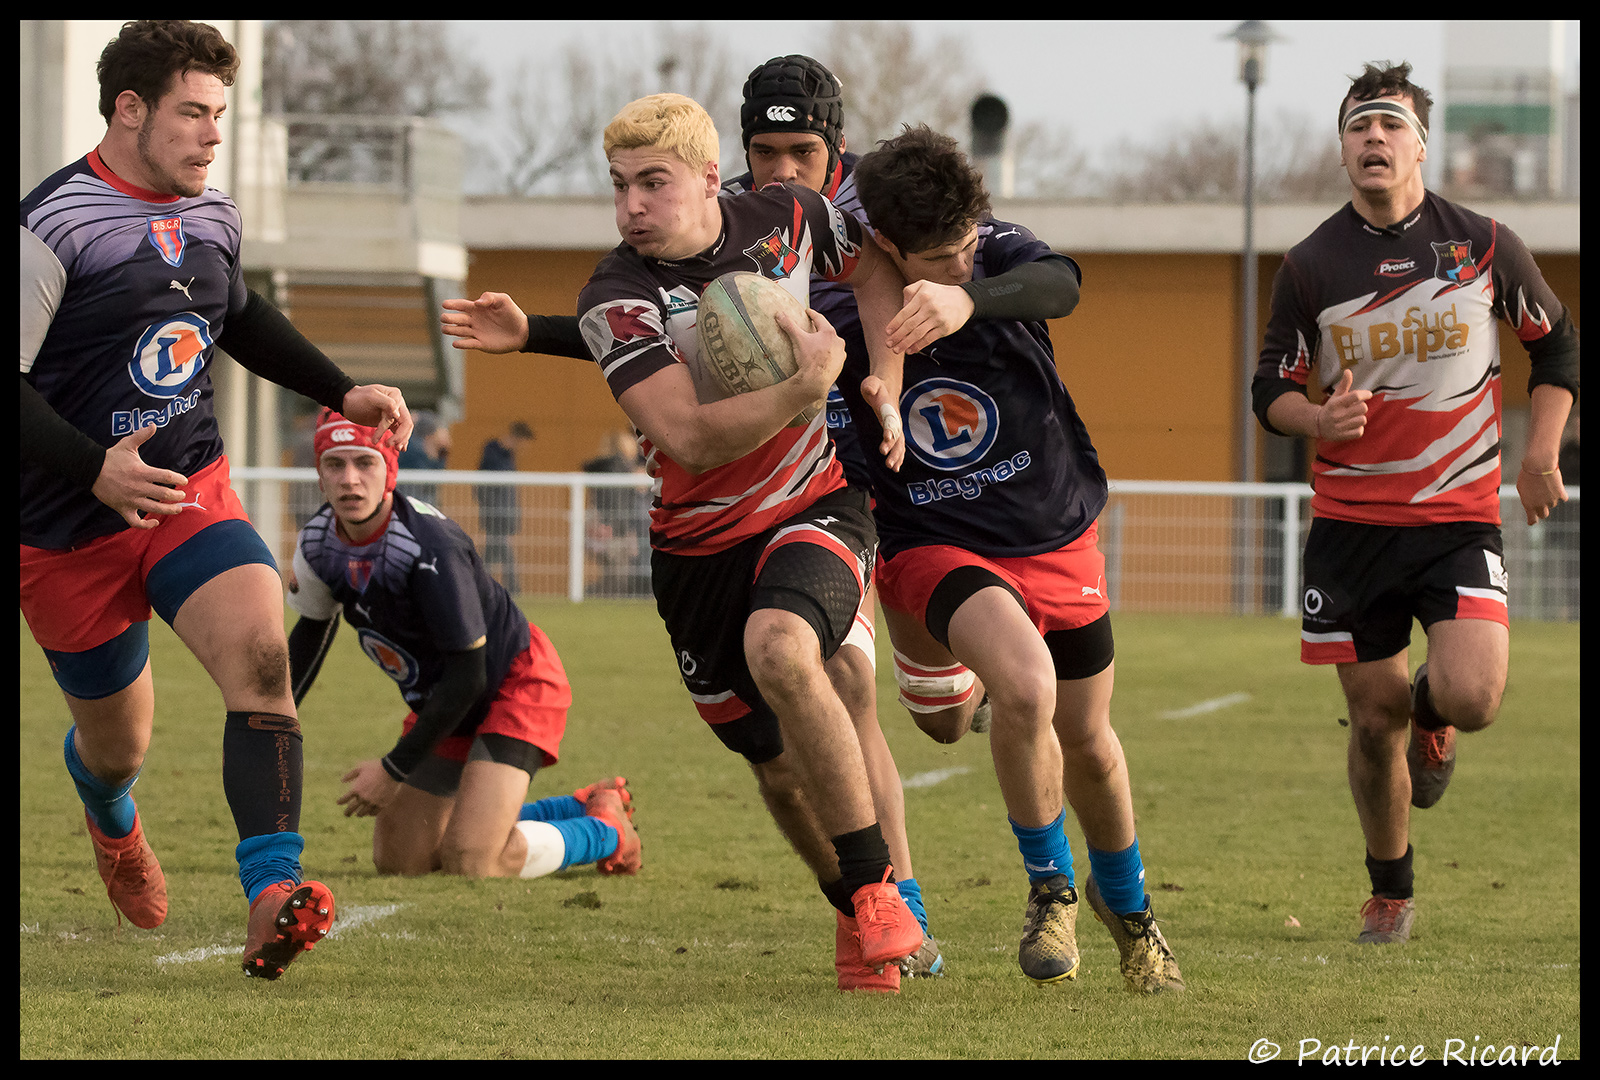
point(639, 314)
point(412, 593)
point(997, 460)
point(134, 288)
point(837, 303)
point(1410, 310)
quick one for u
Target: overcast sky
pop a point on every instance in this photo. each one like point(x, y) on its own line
point(1106, 81)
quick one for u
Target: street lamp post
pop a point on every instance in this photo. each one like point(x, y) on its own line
point(1253, 37)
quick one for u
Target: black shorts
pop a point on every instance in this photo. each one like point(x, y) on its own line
point(1365, 583)
point(816, 564)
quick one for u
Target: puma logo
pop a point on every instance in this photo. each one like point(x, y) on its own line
point(1093, 590)
point(433, 566)
point(184, 289)
point(363, 612)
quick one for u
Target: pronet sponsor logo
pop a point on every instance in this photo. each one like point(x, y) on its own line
point(1396, 267)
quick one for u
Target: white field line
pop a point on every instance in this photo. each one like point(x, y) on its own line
point(343, 919)
point(928, 779)
point(1206, 707)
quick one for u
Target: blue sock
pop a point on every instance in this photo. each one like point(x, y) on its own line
point(588, 839)
point(555, 808)
point(1119, 875)
point(110, 807)
point(268, 859)
point(1045, 851)
point(911, 893)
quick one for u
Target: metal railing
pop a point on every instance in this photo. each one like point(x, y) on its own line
point(1169, 545)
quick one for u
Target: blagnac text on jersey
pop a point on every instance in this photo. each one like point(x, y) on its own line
point(969, 486)
point(126, 422)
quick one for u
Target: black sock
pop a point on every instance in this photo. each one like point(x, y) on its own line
point(1391, 878)
point(1423, 713)
point(839, 896)
point(261, 772)
point(863, 857)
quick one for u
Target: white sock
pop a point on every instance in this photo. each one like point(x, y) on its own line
point(546, 848)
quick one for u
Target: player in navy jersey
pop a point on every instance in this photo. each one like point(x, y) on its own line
point(1390, 307)
point(131, 276)
point(488, 694)
point(988, 567)
point(792, 127)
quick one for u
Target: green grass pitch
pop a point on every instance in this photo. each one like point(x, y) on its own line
point(722, 946)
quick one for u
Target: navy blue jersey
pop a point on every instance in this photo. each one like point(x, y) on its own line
point(997, 460)
point(413, 593)
point(136, 287)
point(837, 304)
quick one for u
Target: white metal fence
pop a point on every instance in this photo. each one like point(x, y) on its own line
point(1169, 545)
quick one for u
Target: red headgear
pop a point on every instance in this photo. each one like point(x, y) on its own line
point(334, 432)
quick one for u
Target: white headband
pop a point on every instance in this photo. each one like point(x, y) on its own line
point(1391, 108)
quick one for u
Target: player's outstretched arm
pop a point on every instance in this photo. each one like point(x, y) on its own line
point(493, 323)
point(880, 291)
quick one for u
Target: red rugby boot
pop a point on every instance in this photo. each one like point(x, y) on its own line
point(854, 974)
point(286, 920)
point(133, 878)
point(888, 929)
point(619, 784)
point(606, 804)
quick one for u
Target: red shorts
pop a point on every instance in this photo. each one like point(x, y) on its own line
point(531, 705)
point(1062, 589)
point(78, 598)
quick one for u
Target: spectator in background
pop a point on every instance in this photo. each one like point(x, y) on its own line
point(498, 506)
point(429, 449)
point(619, 528)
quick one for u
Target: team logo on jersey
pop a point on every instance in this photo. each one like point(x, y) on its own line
point(166, 236)
point(170, 354)
point(773, 256)
point(949, 424)
point(395, 661)
point(1453, 261)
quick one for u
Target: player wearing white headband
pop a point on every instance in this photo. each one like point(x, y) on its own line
point(1390, 308)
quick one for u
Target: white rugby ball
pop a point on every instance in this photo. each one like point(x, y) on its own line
point(742, 347)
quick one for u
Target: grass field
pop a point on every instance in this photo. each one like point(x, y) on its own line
point(722, 946)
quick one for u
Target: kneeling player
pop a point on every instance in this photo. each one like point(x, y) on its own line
point(488, 691)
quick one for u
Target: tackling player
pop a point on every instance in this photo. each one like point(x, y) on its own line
point(488, 691)
point(1390, 307)
point(131, 276)
point(989, 568)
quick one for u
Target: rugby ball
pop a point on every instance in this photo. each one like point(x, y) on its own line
point(742, 347)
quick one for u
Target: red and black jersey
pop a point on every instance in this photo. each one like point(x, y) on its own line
point(639, 314)
point(1410, 310)
point(135, 287)
point(998, 462)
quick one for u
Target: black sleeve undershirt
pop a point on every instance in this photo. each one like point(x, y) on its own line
point(556, 335)
point(1046, 288)
point(308, 645)
point(263, 340)
point(52, 443)
point(1554, 358)
point(465, 678)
